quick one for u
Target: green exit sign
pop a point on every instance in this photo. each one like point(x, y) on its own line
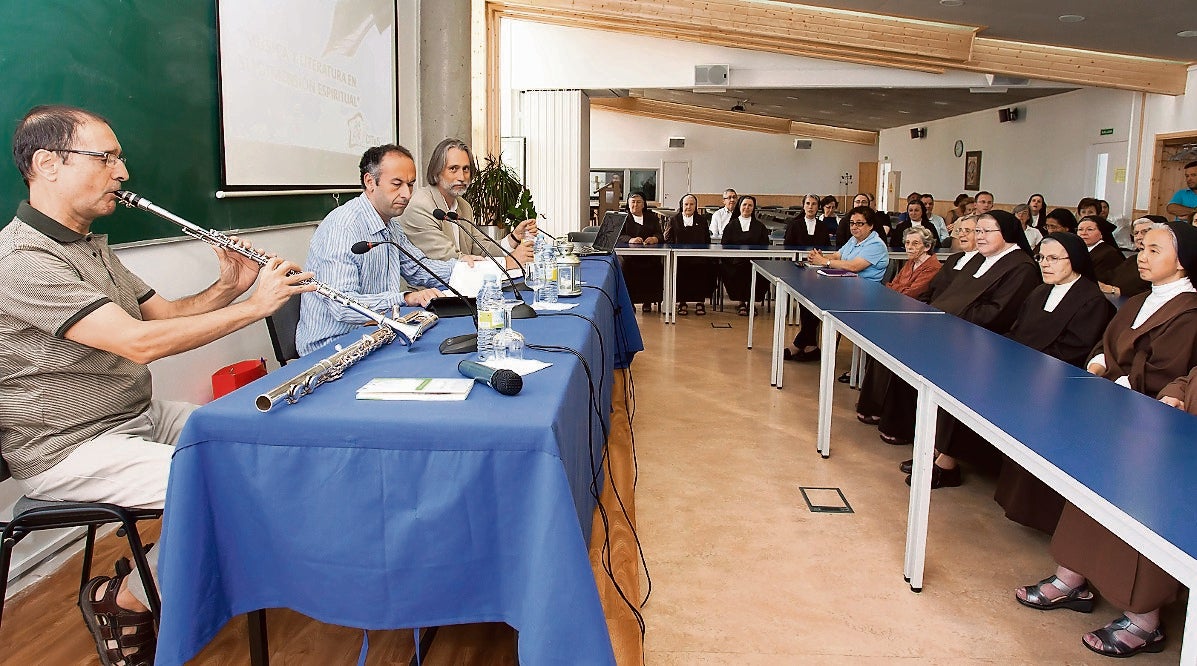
point(1107, 131)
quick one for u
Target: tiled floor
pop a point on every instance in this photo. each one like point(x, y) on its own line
point(743, 573)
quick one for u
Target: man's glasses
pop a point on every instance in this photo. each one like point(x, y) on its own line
point(110, 159)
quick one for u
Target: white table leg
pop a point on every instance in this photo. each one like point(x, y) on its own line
point(826, 385)
point(779, 343)
point(751, 301)
point(920, 489)
point(1188, 644)
point(671, 307)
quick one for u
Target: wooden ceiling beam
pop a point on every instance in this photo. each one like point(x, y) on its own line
point(732, 119)
point(860, 38)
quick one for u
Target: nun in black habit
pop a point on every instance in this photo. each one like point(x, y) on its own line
point(645, 276)
point(695, 275)
point(743, 230)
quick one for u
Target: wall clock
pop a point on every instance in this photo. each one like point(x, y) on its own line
point(959, 148)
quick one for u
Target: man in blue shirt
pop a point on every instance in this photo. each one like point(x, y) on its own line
point(1184, 202)
point(388, 174)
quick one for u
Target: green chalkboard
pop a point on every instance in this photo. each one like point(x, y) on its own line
point(149, 67)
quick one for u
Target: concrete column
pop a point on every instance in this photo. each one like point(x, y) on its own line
point(444, 75)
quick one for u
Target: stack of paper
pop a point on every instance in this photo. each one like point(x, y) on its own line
point(402, 388)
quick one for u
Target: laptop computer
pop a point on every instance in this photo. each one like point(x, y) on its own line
point(607, 236)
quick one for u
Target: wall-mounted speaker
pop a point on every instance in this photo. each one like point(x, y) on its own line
point(1007, 115)
point(711, 76)
point(677, 142)
point(918, 132)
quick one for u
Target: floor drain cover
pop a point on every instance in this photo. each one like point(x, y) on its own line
point(825, 500)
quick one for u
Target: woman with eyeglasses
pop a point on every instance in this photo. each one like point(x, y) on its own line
point(989, 297)
point(1124, 281)
point(844, 232)
point(1063, 318)
point(695, 278)
point(829, 204)
point(864, 254)
point(743, 230)
point(645, 276)
point(1060, 219)
point(1147, 345)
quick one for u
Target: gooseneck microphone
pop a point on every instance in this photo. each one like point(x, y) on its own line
point(458, 344)
point(522, 311)
point(504, 381)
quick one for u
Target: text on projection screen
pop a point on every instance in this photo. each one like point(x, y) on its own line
point(306, 87)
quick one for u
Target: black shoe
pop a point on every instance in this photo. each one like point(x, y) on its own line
point(807, 356)
point(906, 467)
point(943, 478)
point(844, 378)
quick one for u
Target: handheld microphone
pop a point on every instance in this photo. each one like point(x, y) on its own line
point(504, 381)
point(522, 311)
point(458, 344)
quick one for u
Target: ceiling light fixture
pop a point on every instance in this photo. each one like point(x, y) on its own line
point(1187, 33)
point(951, 3)
point(1071, 18)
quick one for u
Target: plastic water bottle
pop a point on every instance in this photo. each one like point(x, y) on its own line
point(544, 253)
point(490, 316)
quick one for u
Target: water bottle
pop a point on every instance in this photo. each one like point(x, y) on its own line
point(490, 316)
point(544, 254)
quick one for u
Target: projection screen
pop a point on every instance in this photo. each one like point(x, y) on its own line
point(305, 87)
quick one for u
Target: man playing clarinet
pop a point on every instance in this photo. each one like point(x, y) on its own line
point(77, 329)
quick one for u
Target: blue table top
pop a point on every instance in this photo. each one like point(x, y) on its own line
point(835, 294)
point(1135, 452)
point(380, 514)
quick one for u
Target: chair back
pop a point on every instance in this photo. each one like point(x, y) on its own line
point(282, 325)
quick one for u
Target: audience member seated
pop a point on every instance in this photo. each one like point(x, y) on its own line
point(807, 230)
point(1098, 235)
point(962, 205)
point(941, 226)
point(695, 275)
point(644, 275)
point(829, 205)
point(1147, 346)
point(1023, 213)
point(843, 233)
point(1087, 206)
point(916, 214)
point(983, 203)
point(743, 230)
point(1103, 208)
point(1063, 318)
point(1038, 206)
point(721, 217)
point(864, 254)
point(1061, 219)
point(990, 297)
point(964, 261)
point(1125, 281)
point(913, 279)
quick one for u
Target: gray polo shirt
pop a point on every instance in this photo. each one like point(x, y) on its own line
point(56, 394)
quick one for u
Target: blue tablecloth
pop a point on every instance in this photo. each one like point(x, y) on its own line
point(385, 515)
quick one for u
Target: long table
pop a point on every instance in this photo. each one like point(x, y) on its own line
point(385, 515)
point(1078, 433)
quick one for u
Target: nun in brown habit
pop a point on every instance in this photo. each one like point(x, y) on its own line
point(1148, 345)
point(990, 297)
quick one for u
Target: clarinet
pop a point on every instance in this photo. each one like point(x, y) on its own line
point(330, 369)
point(217, 239)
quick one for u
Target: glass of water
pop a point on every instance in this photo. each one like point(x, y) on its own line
point(534, 278)
point(509, 343)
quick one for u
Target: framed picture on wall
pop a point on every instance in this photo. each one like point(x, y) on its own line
point(972, 170)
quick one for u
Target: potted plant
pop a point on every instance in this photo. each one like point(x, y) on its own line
point(499, 198)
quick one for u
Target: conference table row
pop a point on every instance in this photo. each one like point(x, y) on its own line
point(671, 252)
point(1127, 460)
point(394, 514)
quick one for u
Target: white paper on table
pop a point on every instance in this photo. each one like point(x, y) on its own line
point(520, 366)
point(552, 307)
point(468, 280)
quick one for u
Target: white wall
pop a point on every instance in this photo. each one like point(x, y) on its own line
point(1043, 151)
point(1163, 114)
point(182, 268)
point(751, 162)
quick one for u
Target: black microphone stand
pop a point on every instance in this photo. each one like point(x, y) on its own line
point(521, 311)
point(457, 344)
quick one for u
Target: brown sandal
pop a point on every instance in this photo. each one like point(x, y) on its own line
point(108, 622)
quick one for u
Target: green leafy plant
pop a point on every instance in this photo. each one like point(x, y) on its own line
point(498, 197)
